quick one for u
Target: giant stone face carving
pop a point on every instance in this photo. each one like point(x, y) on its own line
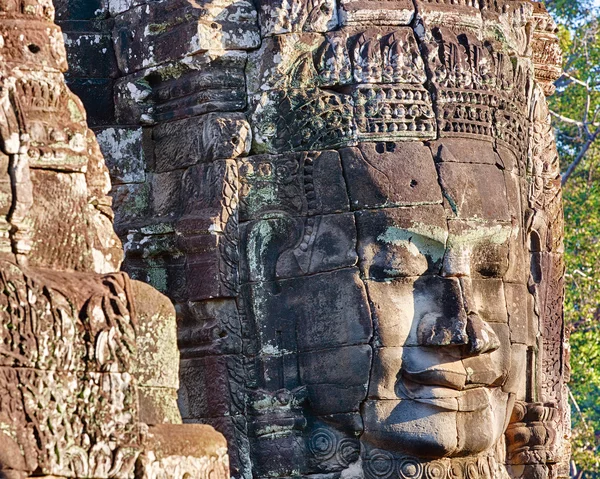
point(356, 207)
point(88, 357)
point(386, 246)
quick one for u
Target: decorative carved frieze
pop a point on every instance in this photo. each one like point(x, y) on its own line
point(546, 51)
point(87, 356)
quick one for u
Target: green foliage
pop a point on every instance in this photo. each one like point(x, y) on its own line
point(569, 10)
point(581, 47)
point(582, 313)
point(577, 93)
point(582, 205)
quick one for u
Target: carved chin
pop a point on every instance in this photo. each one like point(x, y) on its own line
point(430, 431)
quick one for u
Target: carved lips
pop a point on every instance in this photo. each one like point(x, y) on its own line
point(468, 400)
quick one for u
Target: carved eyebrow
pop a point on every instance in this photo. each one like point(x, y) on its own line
point(395, 234)
point(499, 234)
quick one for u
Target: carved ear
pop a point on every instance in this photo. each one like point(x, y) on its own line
point(9, 126)
point(265, 242)
point(537, 237)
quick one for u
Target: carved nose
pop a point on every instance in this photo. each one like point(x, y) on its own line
point(482, 338)
point(457, 262)
point(460, 324)
point(466, 330)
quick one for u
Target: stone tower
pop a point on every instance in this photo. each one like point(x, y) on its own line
point(88, 357)
point(355, 206)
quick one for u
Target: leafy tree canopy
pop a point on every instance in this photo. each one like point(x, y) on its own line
point(569, 10)
point(576, 111)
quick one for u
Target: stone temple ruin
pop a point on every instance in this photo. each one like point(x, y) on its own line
point(88, 357)
point(354, 206)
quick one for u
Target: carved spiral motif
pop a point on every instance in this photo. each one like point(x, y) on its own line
point(484, 469)
point(380, 464)
point(457, 471)
point(322, 444)
point(347, 452)
point(410, 469)
point(472, 471)
point(435, 470)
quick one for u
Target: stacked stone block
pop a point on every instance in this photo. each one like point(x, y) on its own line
point(294, 175)
point(169, 121)
point(89, 364)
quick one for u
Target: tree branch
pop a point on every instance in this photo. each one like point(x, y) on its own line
point(580, 156)
point(576, 80)
point(565, 119)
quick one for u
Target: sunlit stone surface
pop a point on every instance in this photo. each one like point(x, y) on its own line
point(88, 357)
point(356, 208)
